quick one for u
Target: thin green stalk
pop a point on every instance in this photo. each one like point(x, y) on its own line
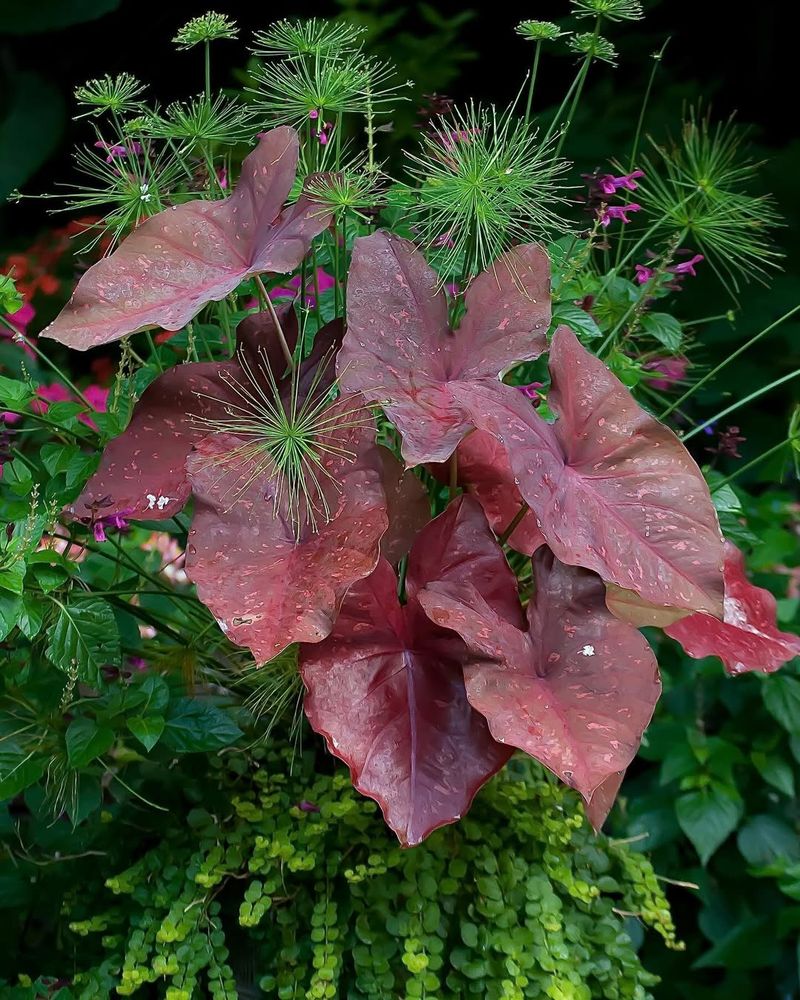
point(532, 82)
point(370, 133)
point(755, 461)
point(740, 403)
point(731, 357)
point(576, 99)
point(267, 301)
point(207, 47)
point(515, 521)
point(153, 351)
point(21, 338)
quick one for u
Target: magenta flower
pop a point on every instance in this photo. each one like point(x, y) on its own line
point(531, 391)
point(670, 371)
point(116, 150)
point(620, 212)
point(291, 290)
point(644, 273)
point(609, 184)
point(118, 521)
point(687, 267)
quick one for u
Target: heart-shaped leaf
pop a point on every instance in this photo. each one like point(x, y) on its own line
point(386, 688)
point(399, 348)
point(576, 690)
point(171, 265)
point(613, 489)
point(747, 638)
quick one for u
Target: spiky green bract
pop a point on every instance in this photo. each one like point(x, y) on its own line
point(311, 37)
point(220, 120)
point(539, 31)
point(701, 185)
point(110, 93)
point(274, 692)
point(286, 439)
point(207, 27)
point(591, 44)
point(354, 189)
point(485, 181)
point(612, 10)
point(126, 191)
point(297, 90)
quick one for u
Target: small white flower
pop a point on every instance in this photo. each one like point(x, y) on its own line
point(144, 192)
point(587, 651)
point(162, 502)
point(151, 500)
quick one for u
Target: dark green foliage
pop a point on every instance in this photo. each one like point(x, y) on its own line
point(283, 878)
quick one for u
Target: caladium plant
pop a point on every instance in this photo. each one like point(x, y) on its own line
point(427, 662)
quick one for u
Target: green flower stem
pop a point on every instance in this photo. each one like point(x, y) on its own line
point(315, 276)
point(267, 301)
point(370, 130)
point(532, 83)
point(731, 357)
point(153, 351)
point(581, 81)
point(755, 461)
point(513, 525)
point(740, 403)
point(207, 48)
point(21, 338)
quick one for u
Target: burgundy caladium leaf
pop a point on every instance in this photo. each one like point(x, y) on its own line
point(198, 252)
point(613, 489)
point(143, 471)
point(576, 690)
point(630, 607)
point(484, 470)
point(747, 638)
point(408, 507)
point(386, 689)
point(399, 349)
point(269, 579)
point(602, 800)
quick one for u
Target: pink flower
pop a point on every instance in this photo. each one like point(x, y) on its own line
point(618, 212)
point(313, 115)
point(115, 150)
point(445, 240)
point(531, 391)
point(97, 398)
point(55, 393)
point(291, 290)
point(222, 178)
point(687, 267)
point(119, 521)
point(671, 371)
point(644, 273)
point(21, 318)
point(609, 184)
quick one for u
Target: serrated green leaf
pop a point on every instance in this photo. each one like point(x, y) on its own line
point(664, 328)
point(147, 729)
point(577, 319)
point(708, 817)
point(777, 771)
point(84, 638)
point(31, 615)
point(85, 740)
point(10, 609)
point(194, 725)
point(14, 394)
point(12, 577)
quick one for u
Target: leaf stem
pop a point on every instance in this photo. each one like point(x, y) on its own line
point(514, 524)
point(267, 301)
point(731, 357)
point(532, 83)
point(740, 403)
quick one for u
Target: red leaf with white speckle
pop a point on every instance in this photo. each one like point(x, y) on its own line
point(266, 583)
point(747, 638)
point(576, 690)
point(171, 265)
point(613, 489)
point(408, 507)
point(399, 349)
point(386, 688)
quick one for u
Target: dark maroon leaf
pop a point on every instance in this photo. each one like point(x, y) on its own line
point(197, 252)
point(400, 351)
point(613, 489)
point(747, 638)
point(386, 688)
point(576, 690)
point(602, 799)
point(267, 584)
point(484, 469)
point(408, 508)
point(143, 471)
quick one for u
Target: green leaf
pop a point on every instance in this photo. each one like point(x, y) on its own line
point(708, 817)
point(147, 729)
point(31, 615)
point(85, 740)
point(157, 691)
point(18, 771)
point(11, 300)
point(664, 328)
point(84, 638)
point(765, 839)
point(10, 610)
point(13, 393)
point(69, 459)
point(577, 319)
point(194, 725)
point(781, 694)
point(13, 576)
point(774, 769)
